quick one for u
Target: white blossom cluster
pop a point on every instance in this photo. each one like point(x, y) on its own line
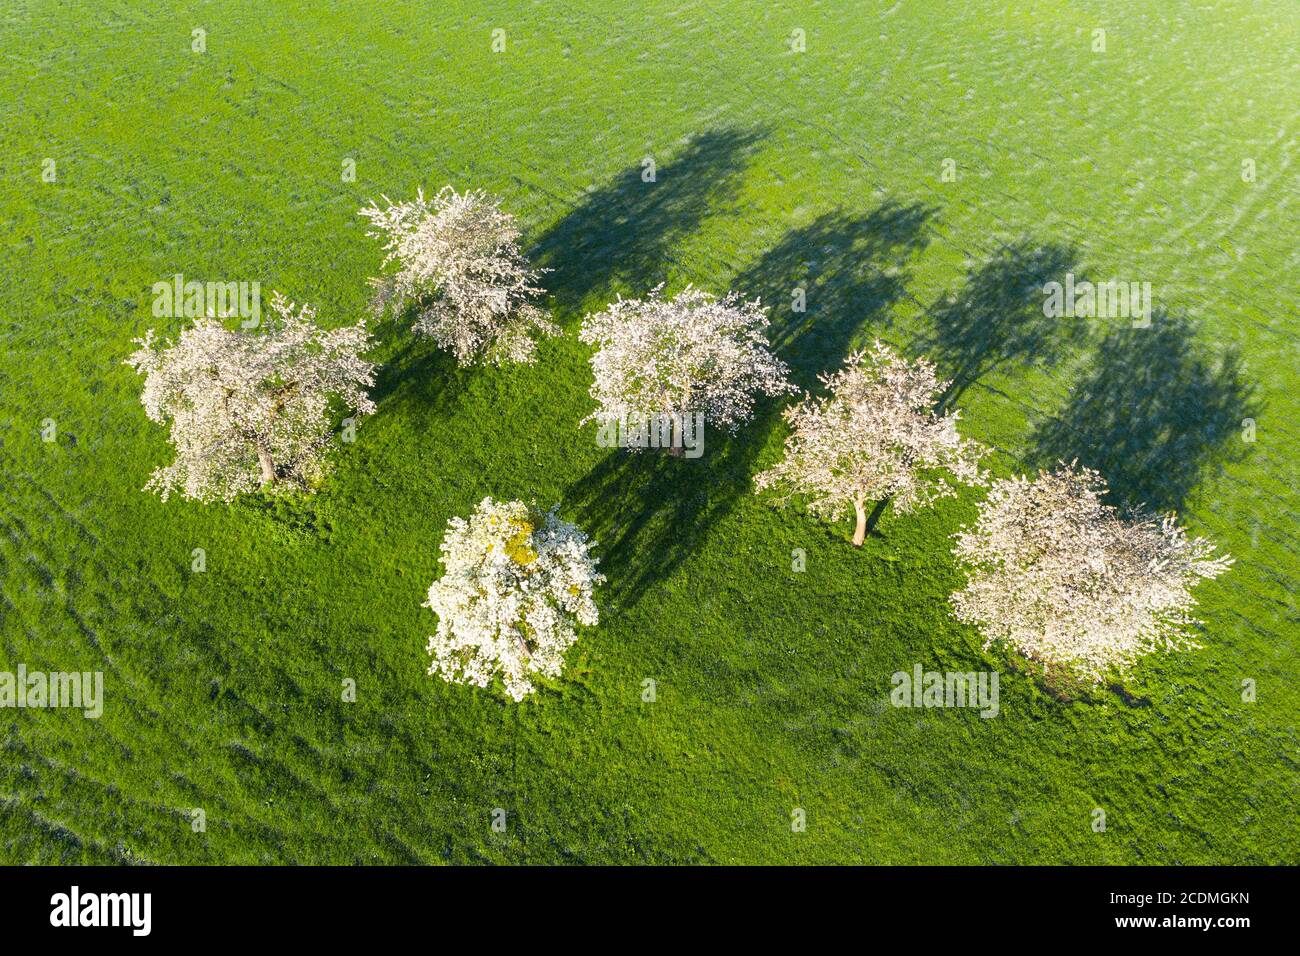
point(458, 260)
point(516, 581)
point(873, 437)
point(1068, 581)
point(249, 409)
point(687, 354)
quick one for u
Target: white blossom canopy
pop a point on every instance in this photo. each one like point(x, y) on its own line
point(249, 408)
point(691, 353)
point(515, 585)
point(1067, 580)
point(874, 436)
point(458, 260)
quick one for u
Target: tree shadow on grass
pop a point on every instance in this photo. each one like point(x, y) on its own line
point(650, 511)
point(1154, 414)
point(997, 319)
point(850, 268)
point(623, 234)
point(416, 375)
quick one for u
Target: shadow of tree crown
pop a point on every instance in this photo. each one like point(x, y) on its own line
point(851, 268)
point(997, 319)
point(1155, 412)
point(624, 232)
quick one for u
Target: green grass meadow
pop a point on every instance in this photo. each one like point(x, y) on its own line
point(775, 170)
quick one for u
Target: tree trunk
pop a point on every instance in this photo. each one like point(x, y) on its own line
point(860, 533)
point(266, 463)
point(675, 440)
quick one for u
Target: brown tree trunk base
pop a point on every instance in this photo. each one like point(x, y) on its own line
point(867, 524)
point(266, 464)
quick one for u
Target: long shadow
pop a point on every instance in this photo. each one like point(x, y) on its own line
point(622, 235)
point(1154, 414)
point(650, 511)
point(849, 267)
point(997, 319)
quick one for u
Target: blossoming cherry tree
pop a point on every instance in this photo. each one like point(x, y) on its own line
point(1067, 580)
point(694, 353)
point(873, 437)
point(516, 584)
point(458, 261)
point(250, 409)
